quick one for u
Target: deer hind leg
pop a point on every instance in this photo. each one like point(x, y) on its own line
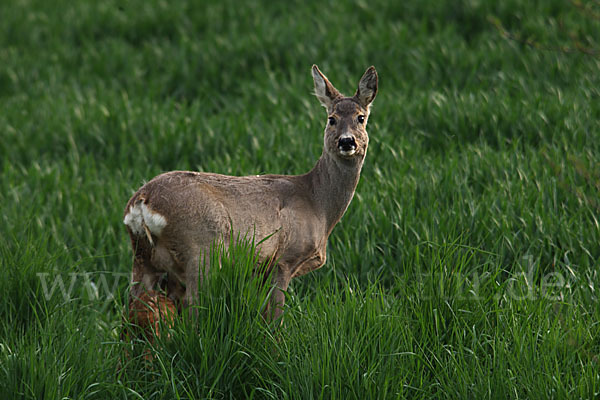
point(147, 305)
point(144, 276)
point(193, 277)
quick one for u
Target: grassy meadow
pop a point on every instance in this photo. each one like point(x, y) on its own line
point(467, 265)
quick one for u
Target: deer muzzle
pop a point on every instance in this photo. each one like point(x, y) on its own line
point(347, 145)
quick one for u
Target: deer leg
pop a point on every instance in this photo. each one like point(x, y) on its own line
point(175, 291)
point(274, 309)
point(277, 302)
point(144, 276)
point(193, 275)
point(142, 304)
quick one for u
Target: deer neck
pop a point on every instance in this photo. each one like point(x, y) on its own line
point(333, 183)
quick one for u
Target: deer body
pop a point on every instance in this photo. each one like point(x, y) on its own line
point(175, 218)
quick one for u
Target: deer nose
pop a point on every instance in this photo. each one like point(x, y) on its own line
point(347, 143)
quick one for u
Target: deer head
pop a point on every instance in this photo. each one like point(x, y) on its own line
point(346, 137)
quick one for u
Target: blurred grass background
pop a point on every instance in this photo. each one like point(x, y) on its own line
point(466, 265)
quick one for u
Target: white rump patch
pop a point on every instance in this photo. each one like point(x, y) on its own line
point(134, 219)
point(154, 221)
point(141, 218)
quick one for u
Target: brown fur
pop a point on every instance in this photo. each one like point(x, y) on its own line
point(148, 310)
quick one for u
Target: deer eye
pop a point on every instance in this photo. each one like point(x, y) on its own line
point(361, 119)
point(332, 121)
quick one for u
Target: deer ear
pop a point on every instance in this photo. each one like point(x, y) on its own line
point(324, 90)
point(367, 87)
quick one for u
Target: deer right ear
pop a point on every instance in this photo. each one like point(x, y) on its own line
point(324, 90)
point(367, 87)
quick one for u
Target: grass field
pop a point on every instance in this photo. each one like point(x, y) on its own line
point(467, 265)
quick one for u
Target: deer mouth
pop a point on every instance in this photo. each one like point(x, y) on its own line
point(347, 146)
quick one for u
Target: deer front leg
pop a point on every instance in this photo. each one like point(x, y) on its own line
point(277, 302)
point(274, 309)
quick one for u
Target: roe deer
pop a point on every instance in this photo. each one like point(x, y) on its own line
point(175, 218)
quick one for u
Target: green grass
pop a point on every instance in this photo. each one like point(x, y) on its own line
point(467, 263)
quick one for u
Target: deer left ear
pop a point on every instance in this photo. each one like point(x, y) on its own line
point(367, 87)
